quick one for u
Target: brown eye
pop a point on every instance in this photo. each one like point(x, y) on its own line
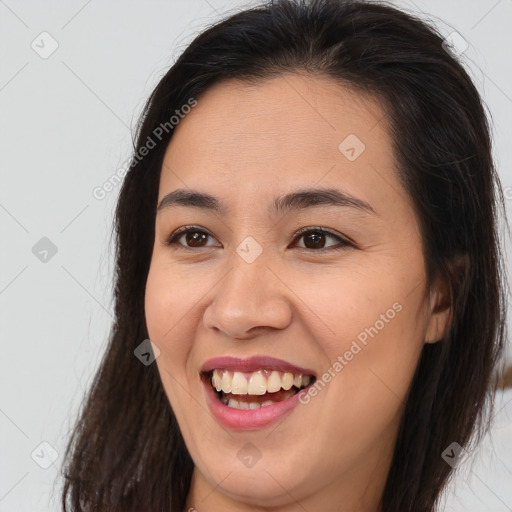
point(190, 238)
point(315, 239)
point(195, 238)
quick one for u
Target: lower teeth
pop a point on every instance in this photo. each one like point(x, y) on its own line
point(240, 404)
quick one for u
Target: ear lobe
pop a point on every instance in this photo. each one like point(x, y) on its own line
point(441, 298)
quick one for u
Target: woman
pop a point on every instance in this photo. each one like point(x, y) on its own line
point(308, 236)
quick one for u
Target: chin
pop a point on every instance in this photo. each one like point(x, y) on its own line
point(265, 484)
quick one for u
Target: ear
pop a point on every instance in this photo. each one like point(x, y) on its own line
point(440, 313)
point(441, 300)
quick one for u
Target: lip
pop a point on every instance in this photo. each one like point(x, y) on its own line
point(252, 364)
point(249, 419)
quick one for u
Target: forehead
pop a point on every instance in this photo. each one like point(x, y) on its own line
point(290, 130)
point(275, 114)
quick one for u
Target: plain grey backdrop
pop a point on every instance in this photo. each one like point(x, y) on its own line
point(73, 79)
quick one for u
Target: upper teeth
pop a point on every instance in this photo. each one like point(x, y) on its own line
point(256, 383)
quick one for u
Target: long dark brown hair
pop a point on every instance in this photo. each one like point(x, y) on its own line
point(126, 452)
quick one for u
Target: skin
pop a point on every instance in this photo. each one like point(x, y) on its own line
point(246, 144)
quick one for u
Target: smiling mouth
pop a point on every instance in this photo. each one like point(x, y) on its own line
point(252, 390)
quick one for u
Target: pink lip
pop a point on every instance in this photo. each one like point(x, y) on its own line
point(249, 419)
point(237, 364)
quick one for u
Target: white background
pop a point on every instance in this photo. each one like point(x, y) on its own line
point(65, 128)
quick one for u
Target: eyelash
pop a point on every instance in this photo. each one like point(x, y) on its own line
point(343, 243)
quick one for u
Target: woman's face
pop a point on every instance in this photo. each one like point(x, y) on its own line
point(245, 299)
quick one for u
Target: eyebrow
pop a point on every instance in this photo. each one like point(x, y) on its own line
point(300, 199)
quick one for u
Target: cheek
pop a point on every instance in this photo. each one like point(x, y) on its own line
point(371, 339)
point(156, 306)
point(169, 326)
point(169, 300)
point(370, 323)
point(168, 320)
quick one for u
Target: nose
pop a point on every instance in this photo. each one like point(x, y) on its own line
point(249, 299)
